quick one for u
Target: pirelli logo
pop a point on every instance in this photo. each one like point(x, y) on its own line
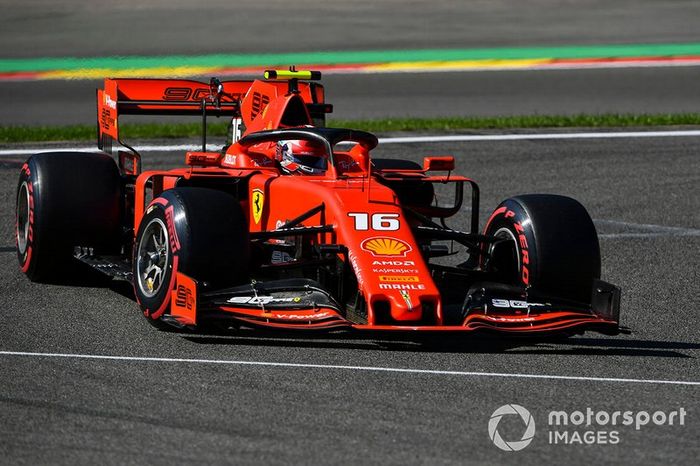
point(399, 278)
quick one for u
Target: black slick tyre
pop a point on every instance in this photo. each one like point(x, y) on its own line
point(65, 199)
point(200, 232)
point(550, 244)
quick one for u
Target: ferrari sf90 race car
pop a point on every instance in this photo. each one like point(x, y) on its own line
point(294, 225)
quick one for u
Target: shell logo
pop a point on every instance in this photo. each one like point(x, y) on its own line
point(385, 246)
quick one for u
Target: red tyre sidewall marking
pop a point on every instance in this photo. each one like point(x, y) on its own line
point(509, 215)
point(27, 260)
point(174, 247)
point(485, 247)
point(524, 253)
point(495, 214)
point(172, 232)
point(171, 286)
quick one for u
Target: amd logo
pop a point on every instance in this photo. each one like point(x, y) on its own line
point(394, 263)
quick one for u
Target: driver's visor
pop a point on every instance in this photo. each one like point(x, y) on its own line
point(311, 161)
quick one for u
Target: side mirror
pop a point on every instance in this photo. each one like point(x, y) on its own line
point(443, 163)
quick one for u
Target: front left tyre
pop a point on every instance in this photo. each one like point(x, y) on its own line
point(202, 233)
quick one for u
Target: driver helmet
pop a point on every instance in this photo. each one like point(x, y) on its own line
point(302, 157)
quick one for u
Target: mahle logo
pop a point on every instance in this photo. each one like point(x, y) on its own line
point(528, 420)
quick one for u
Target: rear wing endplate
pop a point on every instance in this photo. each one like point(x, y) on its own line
point(162, 97)
point(186, 97)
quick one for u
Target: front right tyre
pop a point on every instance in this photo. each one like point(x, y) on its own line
point(549, 243)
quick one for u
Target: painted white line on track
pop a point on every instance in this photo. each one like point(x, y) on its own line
point(348, 368)
point(401, 140)
point(144, 148)
point(535, 136)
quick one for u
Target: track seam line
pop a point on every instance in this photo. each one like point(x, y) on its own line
point(650, 226)
point(352, 368)
point(646, 235)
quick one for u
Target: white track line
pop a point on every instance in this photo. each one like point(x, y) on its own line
point(144, 148)
point(348, 368)
point(404, 140)
point(534, 136)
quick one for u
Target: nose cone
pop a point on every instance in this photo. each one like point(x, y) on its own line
point(391, 273)
point(406, 306)
point(395, 281)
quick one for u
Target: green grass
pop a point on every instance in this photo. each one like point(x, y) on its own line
point(514, 122)
point(15, 134)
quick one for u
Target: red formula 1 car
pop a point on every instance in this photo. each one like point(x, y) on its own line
point(294, 225)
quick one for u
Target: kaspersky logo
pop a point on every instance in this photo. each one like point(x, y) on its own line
point(383, 246)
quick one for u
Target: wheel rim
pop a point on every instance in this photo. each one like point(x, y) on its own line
point(22, 218)
point(505, 233)
point(152, 258)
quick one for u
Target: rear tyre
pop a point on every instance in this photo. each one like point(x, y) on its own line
point(65, 200)
point(200, 232)
point(550, 245)
point(410, 192)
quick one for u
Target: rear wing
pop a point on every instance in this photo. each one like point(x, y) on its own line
point(189, 97)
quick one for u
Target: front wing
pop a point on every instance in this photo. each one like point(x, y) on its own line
point(303, 304)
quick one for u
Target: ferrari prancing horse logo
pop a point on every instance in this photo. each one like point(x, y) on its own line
point(257, 203)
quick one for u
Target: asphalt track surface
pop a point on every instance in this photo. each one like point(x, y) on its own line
point(58, 28)
point(642, 193)
point(643, 196)
point(54, 28)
